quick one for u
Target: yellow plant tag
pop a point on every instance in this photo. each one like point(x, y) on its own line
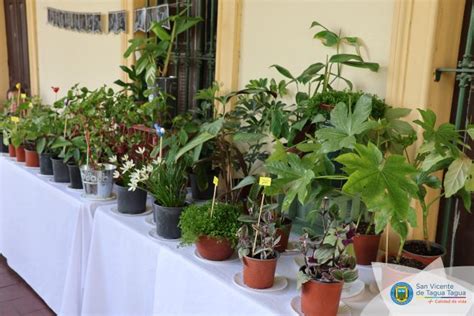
point(215, 180)
point(18, 86)
point(265, 181)
point(23, 96)
point(30, 105)
point(15, 119)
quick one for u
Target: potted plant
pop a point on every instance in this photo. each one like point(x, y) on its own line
point(202, 170)
point(131, 173)
point(95, 125)
point(256, 246)
point(3, 123)
point(49, 126)
point(327, 266)
point(441, 151)
point(33, 132)
point(348, 126)
point(154, 54)
point(212, 228)
point(167, 185)
point(319, 79)
point(17, 138)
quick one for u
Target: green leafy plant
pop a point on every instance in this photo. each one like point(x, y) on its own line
point(155, 52)
point(324, 74)
point(384, 184)
point(217, 134)
point(196, 220)
point(441, 150)
point(258, 240)
point(167, 184)
point(168, 179)
point(326, 258)
point(136, 83)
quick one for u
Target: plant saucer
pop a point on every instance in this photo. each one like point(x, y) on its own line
point(153, 235)
point(279, 284)
point(116, 212)
point(58, 183)
point(373, 288)
point(32, 168)
point(150, 221)
point(93, 198)
point(73, 189)
point(39, 174)
point(352, 289)
point(344, 309)
point(233, 258)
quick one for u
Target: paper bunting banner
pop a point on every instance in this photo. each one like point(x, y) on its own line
point(145, 17)
point(117, 22)
point(80, 22)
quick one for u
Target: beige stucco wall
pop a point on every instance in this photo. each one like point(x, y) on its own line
point(277, 32)
point(67, 57)
point(3, 55)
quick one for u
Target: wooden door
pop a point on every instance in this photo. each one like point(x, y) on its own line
point(17, 43)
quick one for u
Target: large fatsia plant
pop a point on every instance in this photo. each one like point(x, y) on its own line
point(385, 185)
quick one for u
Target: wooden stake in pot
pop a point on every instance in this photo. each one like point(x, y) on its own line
point(386, 242)
point(264, 182)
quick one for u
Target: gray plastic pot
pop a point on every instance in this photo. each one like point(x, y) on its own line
point(130, 202)
point(74, 176)
point(60, 170)
point(167, 219)
point(3, 147)
point(46, 166)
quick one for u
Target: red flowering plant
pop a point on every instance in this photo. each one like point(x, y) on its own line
point(325, 255)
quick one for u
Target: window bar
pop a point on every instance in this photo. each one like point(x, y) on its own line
point(187, 61)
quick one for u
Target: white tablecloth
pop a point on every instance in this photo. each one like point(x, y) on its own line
point(45, 231)
point(131, 274)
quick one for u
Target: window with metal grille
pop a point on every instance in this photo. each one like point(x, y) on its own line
point(193, 61)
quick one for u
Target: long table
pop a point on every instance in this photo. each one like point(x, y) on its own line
point(45, 231)
point(83, 258)
point(130, 273)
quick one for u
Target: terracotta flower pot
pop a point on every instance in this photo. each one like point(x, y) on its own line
point(32, 158)
point(423, 258)
point(11, 150)
point(320, 298)
point(259, 273)
point(284, 233)
point(366, 248)
point(215, 249)
point(20, 154)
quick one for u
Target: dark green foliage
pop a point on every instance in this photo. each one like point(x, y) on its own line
point(196, 221)
point(313, 106)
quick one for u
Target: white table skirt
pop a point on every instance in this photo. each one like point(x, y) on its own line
point(45, 231)
point(131, 274)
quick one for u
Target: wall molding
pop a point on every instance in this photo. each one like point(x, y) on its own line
point(425, 36)
point(229, 18)
point(32, 46)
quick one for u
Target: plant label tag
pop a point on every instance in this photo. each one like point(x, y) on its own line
point(265, 181)
point(215, 180)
